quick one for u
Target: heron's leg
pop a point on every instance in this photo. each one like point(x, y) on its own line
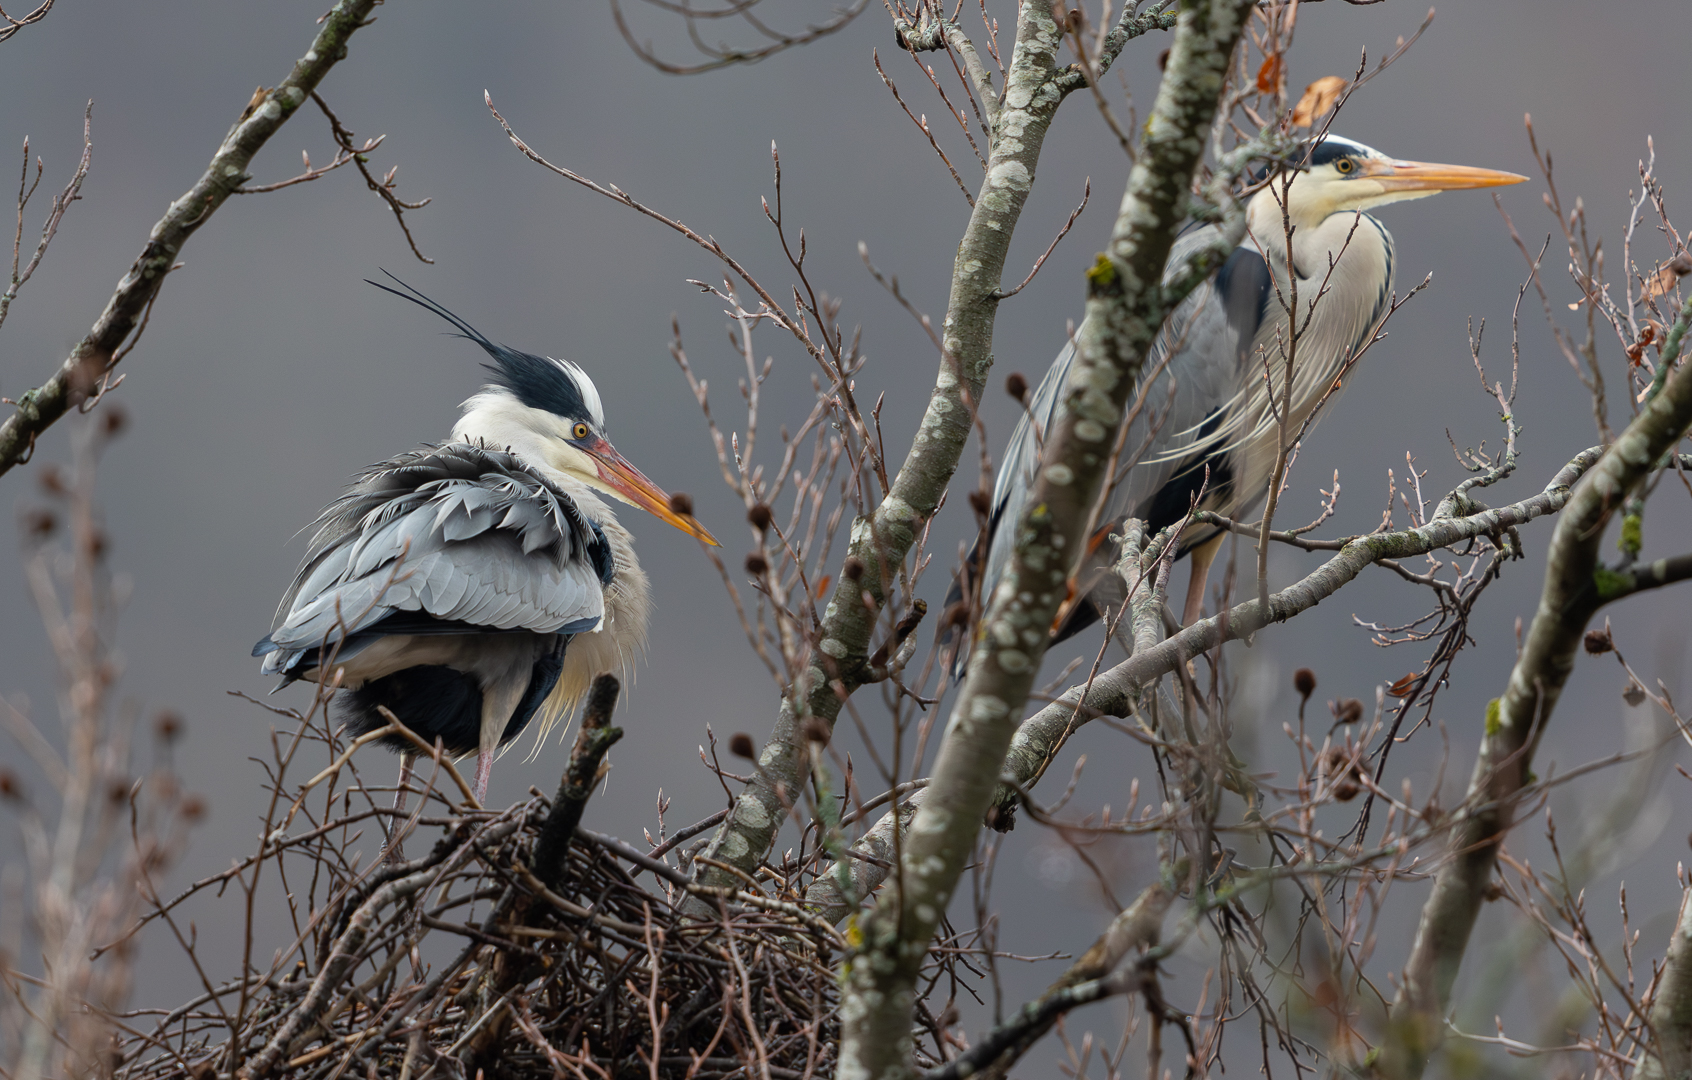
point(393, 852)
point(484, 766)
point(1201, 558)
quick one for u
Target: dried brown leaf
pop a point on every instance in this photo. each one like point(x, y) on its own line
point(1668, 276)
point(1318, 98)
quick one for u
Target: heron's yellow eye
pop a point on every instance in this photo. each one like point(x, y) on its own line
point(580, 431)
point(1345, 165)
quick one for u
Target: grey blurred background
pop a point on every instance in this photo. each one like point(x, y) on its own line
point(270, 373)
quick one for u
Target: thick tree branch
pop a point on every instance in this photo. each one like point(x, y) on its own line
point(1113, 692)
point(1127, 28)
point(1670, 1056)
point(92, 357)
point(946, 33)
point(1125, 309)
point(1576, 586)
point(869, 858)
point(595, 738)
point(839, 663)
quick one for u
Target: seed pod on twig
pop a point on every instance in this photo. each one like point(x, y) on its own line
point(756, 565)
point(740, 745)
point(167, 726)
point(681, 503)
point(760, 516)
point(1342, 773)
point(1304, 681)
point(1016, 385)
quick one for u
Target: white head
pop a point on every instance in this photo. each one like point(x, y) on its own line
point(1342, 177)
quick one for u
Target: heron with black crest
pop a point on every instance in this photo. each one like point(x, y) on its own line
point(1210, 433)
point(476, 586)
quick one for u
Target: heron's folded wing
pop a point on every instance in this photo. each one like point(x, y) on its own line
point(455, 533)
point(1207, 340)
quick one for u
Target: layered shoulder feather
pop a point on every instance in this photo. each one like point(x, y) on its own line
point(453, 538)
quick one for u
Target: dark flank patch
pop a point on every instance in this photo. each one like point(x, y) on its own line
point(436, 702)
point(542, 678)
point(600, 552)
point(1244, 285)
point(1175, 498)
point(440, 702)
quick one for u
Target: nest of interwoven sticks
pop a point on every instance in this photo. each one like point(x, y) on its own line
point(519, 946)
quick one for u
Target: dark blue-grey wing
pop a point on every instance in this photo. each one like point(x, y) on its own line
point(1207, 341)
point(444, 539)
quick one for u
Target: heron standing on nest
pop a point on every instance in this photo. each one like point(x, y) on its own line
point(475, 586)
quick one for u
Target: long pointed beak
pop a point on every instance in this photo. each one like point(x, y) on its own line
point(631, 485)
point(1426, 176)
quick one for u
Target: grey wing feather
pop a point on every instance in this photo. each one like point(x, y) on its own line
point(459, 533)
point(1208, 340)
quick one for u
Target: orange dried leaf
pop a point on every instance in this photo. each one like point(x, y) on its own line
point(1318, 98)
point(1270, 74)
point(822, 586)
point(1402, 687)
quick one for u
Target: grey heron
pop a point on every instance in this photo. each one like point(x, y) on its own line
point(475, 585)
point(1208, 424)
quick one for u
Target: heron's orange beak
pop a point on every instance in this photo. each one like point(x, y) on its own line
point(631, 485)
point(1425, 176)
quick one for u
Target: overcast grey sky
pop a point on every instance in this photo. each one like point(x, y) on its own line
point(270, 373)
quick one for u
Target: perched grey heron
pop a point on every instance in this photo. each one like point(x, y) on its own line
point(1208, 423)
point(473, 586)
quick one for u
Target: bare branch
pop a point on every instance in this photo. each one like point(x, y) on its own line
point(92, 357)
